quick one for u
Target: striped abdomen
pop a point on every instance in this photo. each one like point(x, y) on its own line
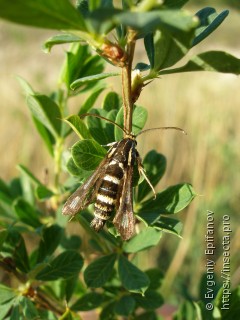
point(107, 194)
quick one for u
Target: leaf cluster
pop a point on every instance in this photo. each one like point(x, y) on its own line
point(54, 279)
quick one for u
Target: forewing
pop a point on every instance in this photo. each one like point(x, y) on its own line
point(86, 193)
point(124, 219)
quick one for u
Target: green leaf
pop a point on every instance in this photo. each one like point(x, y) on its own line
point(156, 277)
point(6, 294)
point(3, 236)
point(50, 239)
point(88, 302)
point(46, 314)
point(151, 300)
point(145, 239)
point(78, 126)
point(72, 242)
point(150, 315)
point(45, 134)
point(149, 47)
point(186, 311)
point(69, 287)
point(49, 14)
point(15, 246)
point(101, 130)
point(93, 78)
point(139, 119)
point(5, 308)
point(98, 272)
point(74, 170)
point(28, 90)
point(85, 219)
point(233, 311)
point(125, 305)
point(87, 154)
point(175, 3)
point(169, 201)
point(217, 61)
point(6, 199)
point(60, 39)
point(140, 115)
point(112, 101)
point(166, 19)
point(16, 311)
point(100, 19)
point(46, 111)
point(88, 104)
point(169, 49)
point(166, 224)
point(29, 310)
point(65, 265)
point(27, 213)
point(16, 188)
point(209, 21)
point(80, 62)
point(41, 191)
point(82, 6)
point(108, 312)
point(29, 174)
point(142, 66)
point(132, 278)
point(154, 164)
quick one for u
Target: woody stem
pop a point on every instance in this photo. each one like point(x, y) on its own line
point(126, 82)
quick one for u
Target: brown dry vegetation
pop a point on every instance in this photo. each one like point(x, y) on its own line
point(206, 105)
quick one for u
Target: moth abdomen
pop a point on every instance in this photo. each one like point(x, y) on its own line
point(107, 194)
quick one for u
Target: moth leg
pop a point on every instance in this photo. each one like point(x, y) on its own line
point(109, 144)
point(142, 171)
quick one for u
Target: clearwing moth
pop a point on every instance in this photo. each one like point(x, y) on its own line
point(111, 186)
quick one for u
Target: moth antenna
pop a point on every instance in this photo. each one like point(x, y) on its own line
point(98, 116)
point(141, 170)
point(162, 128)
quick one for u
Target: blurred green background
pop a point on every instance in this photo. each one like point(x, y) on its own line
point(206, 105)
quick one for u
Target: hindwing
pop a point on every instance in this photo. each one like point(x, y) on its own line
point(124, 220)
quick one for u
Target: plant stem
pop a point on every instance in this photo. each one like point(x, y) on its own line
point(126, 81)
point(58, 163)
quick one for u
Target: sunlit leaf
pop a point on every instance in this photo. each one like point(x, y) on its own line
point(217, 61)
point(87, 154)
point(49, 14)
point(77, 124)
point(209, 21)
point(60, 39)
point(46, 111)
point(169, 201)
point(92, 78)
point(143, 240)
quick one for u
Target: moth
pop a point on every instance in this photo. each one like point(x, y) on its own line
point(111, 186)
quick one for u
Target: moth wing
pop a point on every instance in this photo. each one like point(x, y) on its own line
point(124, 219)
point(83, 196)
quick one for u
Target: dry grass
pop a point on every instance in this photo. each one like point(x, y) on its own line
point(206, 105)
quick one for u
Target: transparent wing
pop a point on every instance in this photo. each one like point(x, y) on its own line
point(86, 193)
point(124, 219)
